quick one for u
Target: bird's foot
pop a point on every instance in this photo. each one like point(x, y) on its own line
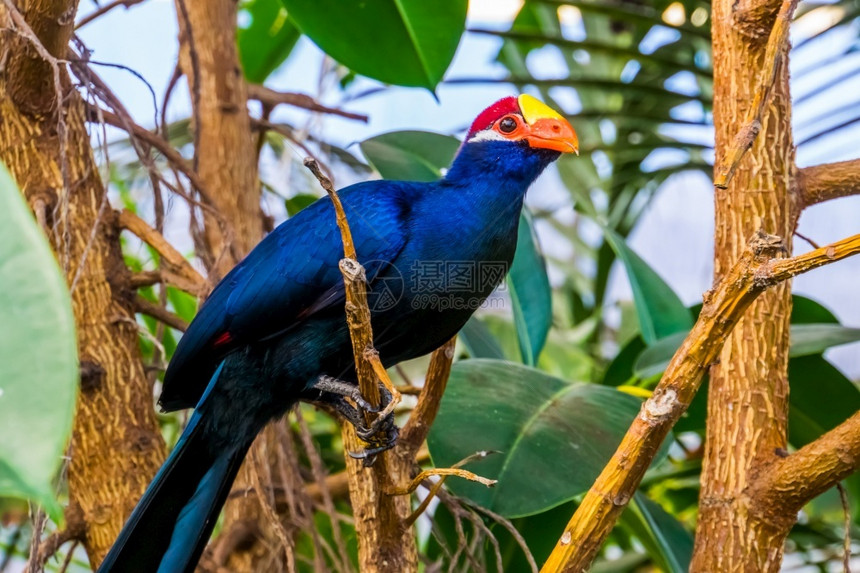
point(379, 438)
point(380, 435)
point(329, 385)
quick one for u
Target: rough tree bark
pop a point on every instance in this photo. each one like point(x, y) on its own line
point(748, 392)
point(226, 161)
point(116, 445)
point(224, 155)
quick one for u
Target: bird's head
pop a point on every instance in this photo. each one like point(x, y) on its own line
point(516, 136)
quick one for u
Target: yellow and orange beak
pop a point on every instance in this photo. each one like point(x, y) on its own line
point(546, 128)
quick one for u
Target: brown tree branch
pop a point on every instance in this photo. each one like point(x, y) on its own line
point(821, 183)
point(385, 544)
point(271, 98)
point(102, 10)
point(173, 157)
point(415, 431)
point(177, 270)
point(724, 306)
point(159, 313)
point(789, 483)
point(751, 126)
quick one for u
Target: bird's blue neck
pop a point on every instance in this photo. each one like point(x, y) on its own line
point(476, 207)
point(513, 165)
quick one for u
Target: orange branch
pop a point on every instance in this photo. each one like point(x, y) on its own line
point(723, 308)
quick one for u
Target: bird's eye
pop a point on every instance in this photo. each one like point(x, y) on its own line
point(507, 124)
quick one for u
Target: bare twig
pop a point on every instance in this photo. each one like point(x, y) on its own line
point(159, 313)
point(104, 10)
point(846, 523)
point(812, 243)
point(162, 146)
point(271, 98)
point(384, 545)
point(415, 431)
point(754, 272)
point(177, 270)
point(416, 481)
point(751, 126)
point(829, 181)
point(194, 78)
point(264, 124)
point(436, 487)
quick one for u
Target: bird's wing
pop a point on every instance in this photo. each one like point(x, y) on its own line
point(291, 275)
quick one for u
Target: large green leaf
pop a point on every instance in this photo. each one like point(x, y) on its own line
point(664, 537)
point(554, 436)
point(821, 398)
point(410, 155)
point(479, 341)
point(266, 39)
point(402, 42)
point(806, 339)
point(531, 295)
point(38, 355)
point(660, 311)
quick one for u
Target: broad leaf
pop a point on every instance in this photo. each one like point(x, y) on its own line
point(821, 398)
point(543, 426)
point(660, 311)
point(807, 339)
point(402, 42)
point(265, 38)
point(410, 155)
point(530, 292)
point(664, 537)
point(479, 341)
point(38, 355)
point(298, 202)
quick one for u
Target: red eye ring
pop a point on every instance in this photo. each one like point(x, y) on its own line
point(508, 124)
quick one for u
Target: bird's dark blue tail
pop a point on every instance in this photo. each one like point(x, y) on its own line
point(171, 524)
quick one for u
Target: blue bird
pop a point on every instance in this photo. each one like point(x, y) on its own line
point(273, 331)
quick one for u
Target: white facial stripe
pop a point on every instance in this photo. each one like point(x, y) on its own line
point(488, 135)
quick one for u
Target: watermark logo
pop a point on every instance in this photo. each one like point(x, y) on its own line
point(437, 285)
point(388, 285)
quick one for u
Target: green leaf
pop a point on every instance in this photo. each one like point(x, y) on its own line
point(667, 541)
point(410, 155)
point(821, 398)
point(562, 432)
point(38, 357)
point(809, 339)
point(402, 42)
point(298, 202)
point(660, 311)
point(806, 339)
point(530, 292)
point(655, 358)
point(620, 370)
point(479, 341)
point(806, 311)
point(267, 40)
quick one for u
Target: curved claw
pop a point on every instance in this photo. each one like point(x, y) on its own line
point(378, 445)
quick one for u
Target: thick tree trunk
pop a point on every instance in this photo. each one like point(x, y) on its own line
point(116, 445)
point(226, 161)
point(225, 154)
point(748, 395)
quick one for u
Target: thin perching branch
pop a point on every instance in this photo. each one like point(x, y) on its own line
point(723, 307)
point(751, 126)
point(271, 98)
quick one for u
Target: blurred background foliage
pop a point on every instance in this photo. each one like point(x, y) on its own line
point(548, 377)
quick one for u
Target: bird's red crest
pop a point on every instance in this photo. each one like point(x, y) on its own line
point(487, 117)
